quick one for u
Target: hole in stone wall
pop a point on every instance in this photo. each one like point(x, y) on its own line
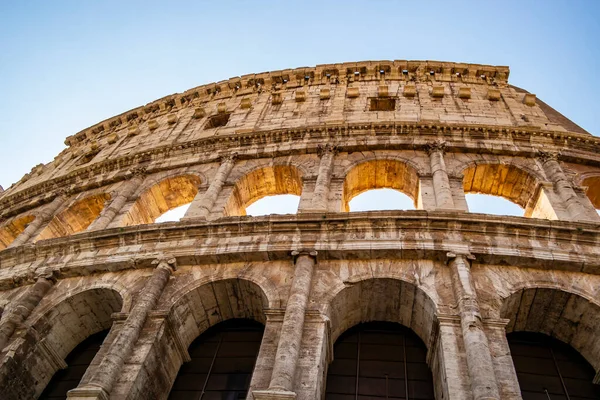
point(280, 204)
point(382, 104)
point(217, 120)
point(381, 199)
point(495, 205)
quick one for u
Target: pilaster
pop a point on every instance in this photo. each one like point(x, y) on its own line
point(109, 370)
point(283, 376)
point(203, 203)
point(479, 358)
point(441, 183)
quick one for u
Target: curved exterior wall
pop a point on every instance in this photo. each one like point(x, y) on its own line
point(79, 254)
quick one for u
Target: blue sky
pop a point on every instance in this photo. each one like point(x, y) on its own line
point(65, 65)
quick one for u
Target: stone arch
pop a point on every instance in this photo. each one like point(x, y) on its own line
point(562, 314)
point(386, 300)
point(261, 182)
point(161, 197)
point(382, 299)
point(61, 328)
point(380, 173)
point(76, 218)
point(592, 182)
point(509, 181)
point(13, 228)
point(209, 303)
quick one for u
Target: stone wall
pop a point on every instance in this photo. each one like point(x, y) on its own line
point(79, 252)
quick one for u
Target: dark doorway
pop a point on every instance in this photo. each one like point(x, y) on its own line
point(223, 359)
point(379, 360)
point(549, 369)
point(77, 363)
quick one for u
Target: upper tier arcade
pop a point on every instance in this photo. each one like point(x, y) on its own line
point(432, 130)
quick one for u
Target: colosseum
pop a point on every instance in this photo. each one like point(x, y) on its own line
point(99, 301)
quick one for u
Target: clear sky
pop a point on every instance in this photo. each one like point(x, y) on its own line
point(66, 65)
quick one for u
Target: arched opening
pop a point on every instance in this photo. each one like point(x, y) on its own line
point(380, 174)
point(166, 195)
point(561, 315)
point(495, 205)
point(77, 362)
point(550, 369)
point(12, 229)
point(62, 329)
point(279, 204)
point(506, 181)
point(76, 218)
point(593, 192)
point(268, 181)
point(222, 361)
point(381, 199)
point(379, 360)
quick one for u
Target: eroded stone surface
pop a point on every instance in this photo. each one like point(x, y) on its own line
point(79, 253)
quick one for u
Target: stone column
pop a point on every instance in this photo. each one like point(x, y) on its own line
point(290, 338)
point(563, 187)
point(506, 376)
point(109, 370)
point(25, 305)
point(479, 358)
point(42, 218)
point(204, 202)
point(441, 183)
point(115, 206)
point(321, 193)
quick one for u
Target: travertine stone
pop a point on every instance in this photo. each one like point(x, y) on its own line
point(325, 134)
point(203, 203)
point(441, 183)
point(42, 218)
point(464, 92)
point(110, 212)
point(21, 310)
point(479, 359)
point(109, 369)
point(288, 349)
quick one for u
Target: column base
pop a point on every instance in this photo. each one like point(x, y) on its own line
point(273, 394)
point(87, 393)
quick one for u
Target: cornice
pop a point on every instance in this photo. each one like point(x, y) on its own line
point(574, 147)
point(514, 241)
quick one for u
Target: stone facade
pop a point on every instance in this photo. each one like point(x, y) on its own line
point(79, 252)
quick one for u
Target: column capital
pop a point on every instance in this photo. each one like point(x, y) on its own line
point(46, 273)
point(450, 256)
point(165, 262)
point(546, 156)
point(297, 253)
point(63, 192)
point(327, 148)
point(231, 157)
point(435, 146)
point(138, 172)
